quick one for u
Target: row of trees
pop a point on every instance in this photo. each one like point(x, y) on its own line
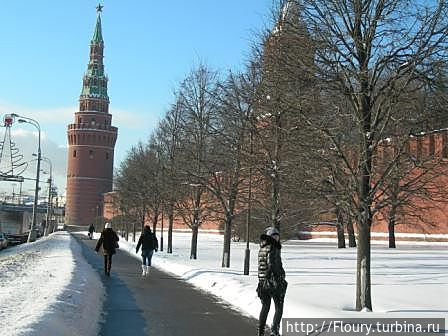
point(295, 137)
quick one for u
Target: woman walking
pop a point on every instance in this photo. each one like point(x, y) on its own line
point(109, 241)
point(271, 280)
point(148, 242)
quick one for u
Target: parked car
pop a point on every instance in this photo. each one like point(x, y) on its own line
point(14, 239)
point(3, 241)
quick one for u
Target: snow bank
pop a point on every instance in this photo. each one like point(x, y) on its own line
point(47, 288)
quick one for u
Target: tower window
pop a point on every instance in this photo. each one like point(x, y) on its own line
point(107, 156)
point(74, 153)
point(91, 154)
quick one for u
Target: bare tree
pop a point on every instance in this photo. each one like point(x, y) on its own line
point(372, 53)
point(227, 158)
point(198, 97)
point(169, 135)
point(135, 181)
point(155, 182)
point(127, 184)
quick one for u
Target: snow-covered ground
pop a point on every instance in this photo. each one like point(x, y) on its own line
point(47, 288)
point(43, 283)
point(407, 281)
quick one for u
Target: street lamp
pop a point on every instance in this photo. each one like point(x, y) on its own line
point(50, 201)
point(33, 122)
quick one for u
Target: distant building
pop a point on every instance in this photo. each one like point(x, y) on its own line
point(91, 140)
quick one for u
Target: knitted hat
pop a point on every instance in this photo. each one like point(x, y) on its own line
point(271, 231)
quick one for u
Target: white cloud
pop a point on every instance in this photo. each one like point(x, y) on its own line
point(132, 120)
point(42, 115)
point(121, 118)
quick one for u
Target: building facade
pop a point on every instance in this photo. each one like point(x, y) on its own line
point(91, 139)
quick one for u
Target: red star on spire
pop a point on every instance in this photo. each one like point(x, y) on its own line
point(99, 8)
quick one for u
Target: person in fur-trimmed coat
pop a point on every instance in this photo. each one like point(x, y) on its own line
point(148, 242)
point(271, 280)
point(109, 241)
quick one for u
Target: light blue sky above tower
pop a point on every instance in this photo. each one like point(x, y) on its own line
point(149, 48)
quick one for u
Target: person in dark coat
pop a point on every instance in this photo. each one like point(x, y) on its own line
point(109, 241)
point(148, 242)
point(91, 231)
point(271, 280)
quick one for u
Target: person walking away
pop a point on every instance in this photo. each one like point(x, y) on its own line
point(271, 280)
point(109, 241)
point(148, 242)
point(91, 230)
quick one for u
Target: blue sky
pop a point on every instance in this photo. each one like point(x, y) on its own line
point(150, 46)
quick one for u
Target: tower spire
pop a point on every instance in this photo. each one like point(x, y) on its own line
point(97, 34)
point(95, 80)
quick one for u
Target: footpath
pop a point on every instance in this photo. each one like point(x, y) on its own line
point(161, 305)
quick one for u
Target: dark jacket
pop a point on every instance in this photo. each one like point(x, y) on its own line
point(147, 240)
point(91, 228)
point(108, 240)
point(271, 274)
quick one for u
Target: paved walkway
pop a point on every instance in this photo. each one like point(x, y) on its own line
point(162, 305)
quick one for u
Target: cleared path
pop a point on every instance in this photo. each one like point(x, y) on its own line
point(162, 305)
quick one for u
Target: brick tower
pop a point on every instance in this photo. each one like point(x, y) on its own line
point(91, 140)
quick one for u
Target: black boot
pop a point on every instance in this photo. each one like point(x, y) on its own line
point(260, 331)
point(106, 269)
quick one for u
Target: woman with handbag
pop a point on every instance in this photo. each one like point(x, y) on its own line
point(271, 279)
point(109, 241)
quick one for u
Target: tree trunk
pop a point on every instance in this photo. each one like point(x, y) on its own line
point(275, 175)
point(363, 284)
point(143, 219)
point(351, 233)
point(154, 221)
point(194, 240)
point(227, 240)
point(392, 228)
point(340, 229)
point(170, 227)
point(126, 226)
point(134, 231)
point(195, 225)
point(275, 214)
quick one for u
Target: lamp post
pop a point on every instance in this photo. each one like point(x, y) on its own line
point(50, 201)
point(22, 119)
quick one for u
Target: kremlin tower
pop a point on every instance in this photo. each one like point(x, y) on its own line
point(91, 140)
